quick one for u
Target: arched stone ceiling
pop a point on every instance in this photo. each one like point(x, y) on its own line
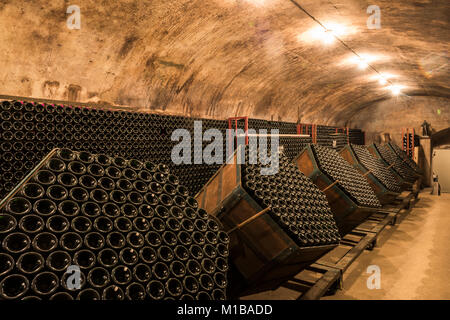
point(220, 58)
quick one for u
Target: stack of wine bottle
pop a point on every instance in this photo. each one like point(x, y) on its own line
point(296, 204)
point(409, 161)
point(335, 141)
point(195, 175)
point(325, 135)
point(353, 183)
point(398, 165)
point(376, 167)
point(129, 226)
point(283, 127)
point(356, 136)
point(31, 130)
point(293, 146)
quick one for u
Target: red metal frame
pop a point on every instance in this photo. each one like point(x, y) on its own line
point(348, 135)
point(312, 130)
point(236, 119)
point(409, 146)
point(346, 131)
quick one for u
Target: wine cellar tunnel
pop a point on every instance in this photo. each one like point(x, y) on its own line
point(115, 126)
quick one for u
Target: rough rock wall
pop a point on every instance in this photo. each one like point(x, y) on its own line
point(390, 116)
point(219, 58)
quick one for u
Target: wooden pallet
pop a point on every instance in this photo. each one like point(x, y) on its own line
point(331, 267)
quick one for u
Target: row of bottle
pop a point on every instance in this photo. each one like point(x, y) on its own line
point(129, 220)
point(398, 165)
point(376, 167)
point(349, 179)
point(297, 205)
point(120, 284)
point(31, 130)
point(407, 158)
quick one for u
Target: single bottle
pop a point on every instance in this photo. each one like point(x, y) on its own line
point(45, 283)
point(155, 290)
point(121, 275)
point(98, 277)
point(13, 287)
point(113, 292)
point(58, 261)
point(16, 242)
point(6, 263)
point(142, 272)
point(85, 259)
point(108, 258)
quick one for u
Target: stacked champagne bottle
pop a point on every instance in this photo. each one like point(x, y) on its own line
point(348, 178)
point(410, 162)
point(335, 141)
point(376, 167)
point(130, 227)
point(195, 175)
point(30, 130)
point(293, 146)
point(328, 137)
point(356, 136)
point(296, 204)
point(399, 166)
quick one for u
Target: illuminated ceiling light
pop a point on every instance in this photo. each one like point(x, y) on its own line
point(326, 34)
point(336, 29)
point(396, 89)
point(258, 3)
point(328, 37)
point(362, 64)
point(383, 77)
point(362, 61)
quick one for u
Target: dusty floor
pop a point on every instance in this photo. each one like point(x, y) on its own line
point(413, 258)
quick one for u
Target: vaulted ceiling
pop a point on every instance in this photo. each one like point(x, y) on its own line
point(220, 58)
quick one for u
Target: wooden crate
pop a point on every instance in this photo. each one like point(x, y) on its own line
point(346, 212)
point(404, 185)
point(384, 195)
point(263, 256)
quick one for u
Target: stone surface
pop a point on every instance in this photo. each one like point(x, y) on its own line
point(219, 58)
point(390, 116)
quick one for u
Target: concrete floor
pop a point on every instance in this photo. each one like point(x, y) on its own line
point(413, 257)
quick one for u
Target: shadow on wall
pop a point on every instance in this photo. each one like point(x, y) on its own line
point(441, 138)
point(390, 116)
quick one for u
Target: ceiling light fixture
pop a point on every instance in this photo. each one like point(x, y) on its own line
point(382, 78)
point(396, 89)
point(326, 33)
point(362, 64)
point(361, 60)
point(382, 81)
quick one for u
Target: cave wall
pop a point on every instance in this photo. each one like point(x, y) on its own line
point(221, 58)
point(391, 115)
